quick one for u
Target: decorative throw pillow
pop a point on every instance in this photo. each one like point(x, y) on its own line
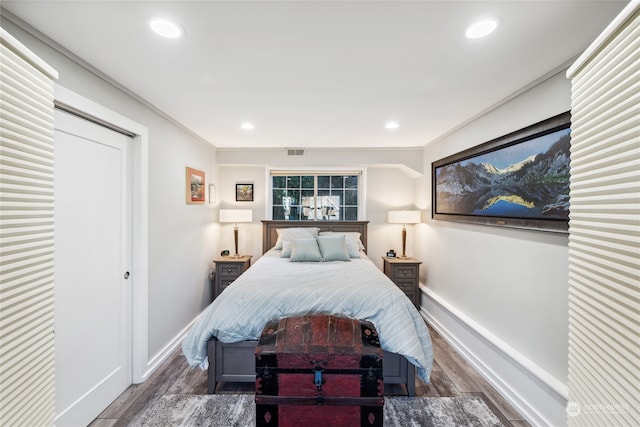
point(305, 250)
point(294, 233)
point(352, 239)
point(333, 248)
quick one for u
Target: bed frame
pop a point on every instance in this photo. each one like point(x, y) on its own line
point(235, 362)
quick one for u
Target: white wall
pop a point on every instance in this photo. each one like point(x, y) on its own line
point(388, 189)
point(489, 286)
point(406, 158)
point(182, 238)
point(249, 234)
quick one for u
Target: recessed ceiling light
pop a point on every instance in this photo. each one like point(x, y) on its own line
point(391, 125)
point(166, 28)
point(247, 126)
point(481, 28)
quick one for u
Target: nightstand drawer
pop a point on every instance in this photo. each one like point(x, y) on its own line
point(226, 282)
point(226, 270)
point(405, 271)
point(406, 285)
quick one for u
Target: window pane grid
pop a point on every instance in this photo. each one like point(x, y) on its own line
point(315, 197)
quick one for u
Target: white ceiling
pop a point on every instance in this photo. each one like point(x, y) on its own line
point(322, 73)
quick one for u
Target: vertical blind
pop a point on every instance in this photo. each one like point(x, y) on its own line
point(604, 226)
point(26, 237)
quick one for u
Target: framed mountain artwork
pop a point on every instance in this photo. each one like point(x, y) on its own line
point(519, 180)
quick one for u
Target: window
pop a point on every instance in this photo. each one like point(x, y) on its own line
point(315, 196)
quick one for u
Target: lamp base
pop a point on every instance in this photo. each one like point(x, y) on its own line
point(235, 239)
point(404, 241)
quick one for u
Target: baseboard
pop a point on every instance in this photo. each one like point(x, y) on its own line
point(166, 351)
point(539, 397)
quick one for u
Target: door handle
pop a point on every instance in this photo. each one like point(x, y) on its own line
point(126, 275)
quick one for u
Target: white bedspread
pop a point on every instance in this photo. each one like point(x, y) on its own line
point(274, 288)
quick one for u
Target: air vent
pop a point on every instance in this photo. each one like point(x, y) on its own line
point(295, 152)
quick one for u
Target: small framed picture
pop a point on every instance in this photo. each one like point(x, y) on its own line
point(195, 189)
point(244, 192)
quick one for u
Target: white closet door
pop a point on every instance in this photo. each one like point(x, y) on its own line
point(93, 258)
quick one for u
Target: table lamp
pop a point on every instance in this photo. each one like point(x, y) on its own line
point(236, 216)
point(404, 217)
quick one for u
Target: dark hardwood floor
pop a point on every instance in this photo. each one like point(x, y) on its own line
point(452, 376)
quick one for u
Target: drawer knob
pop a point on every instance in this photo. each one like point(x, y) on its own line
point(229, 270)
point(404, 272)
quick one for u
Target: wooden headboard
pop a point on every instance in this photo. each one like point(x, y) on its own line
point(270, 235)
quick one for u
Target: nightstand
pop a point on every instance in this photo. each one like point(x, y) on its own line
point(228, 269)
point(404, 272)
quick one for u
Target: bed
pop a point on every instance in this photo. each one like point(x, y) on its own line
point(224, 337)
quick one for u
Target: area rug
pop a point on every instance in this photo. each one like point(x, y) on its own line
point(238, 410)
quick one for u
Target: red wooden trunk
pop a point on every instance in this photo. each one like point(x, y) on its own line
point(319, 370)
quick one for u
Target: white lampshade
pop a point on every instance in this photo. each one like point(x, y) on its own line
point(236, 215)
point(404, 217)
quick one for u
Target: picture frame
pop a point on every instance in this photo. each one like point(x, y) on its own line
point(244, 192)
point(195, 186)
point(519, 180)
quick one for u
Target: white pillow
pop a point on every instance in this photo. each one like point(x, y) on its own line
point(294, 233)
point(352, 239)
